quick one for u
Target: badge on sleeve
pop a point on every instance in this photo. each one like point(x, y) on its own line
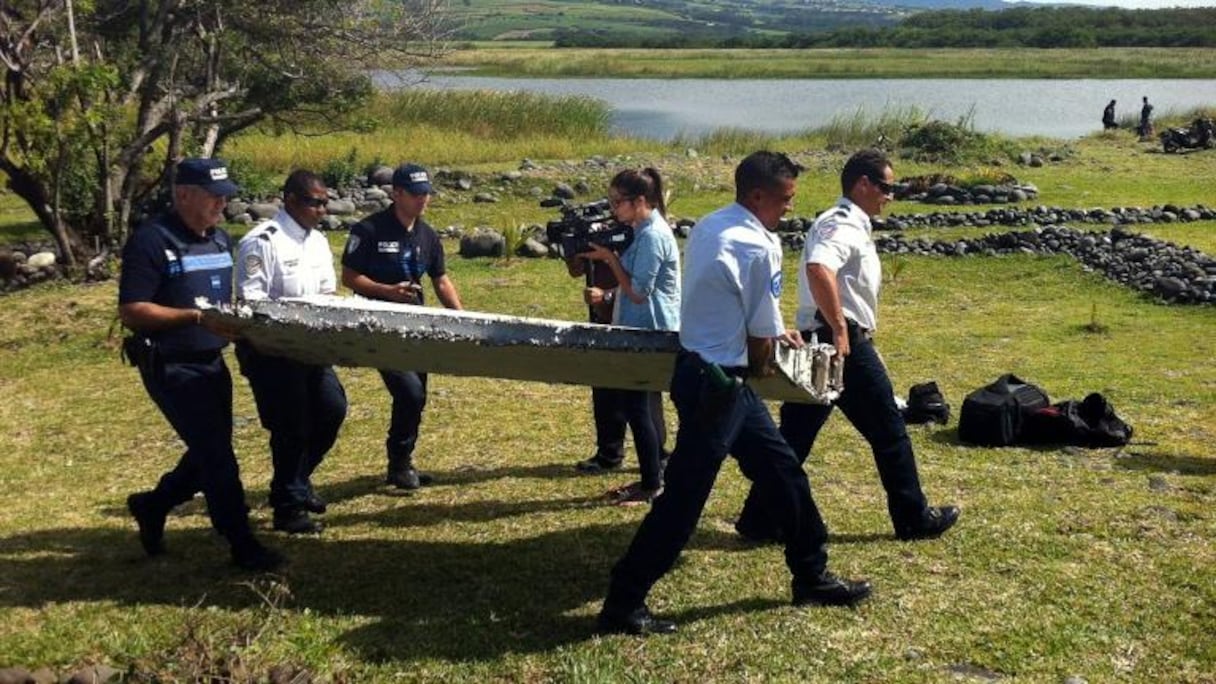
point(352, 244)
point(253, 264)
point(825, 230)
point(774, 285)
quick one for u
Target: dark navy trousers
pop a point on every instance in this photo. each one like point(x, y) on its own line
point(302, 406)
point(195, 396)
point(611, 415)
point(713, 424)
point(408, 390)
point(869, 403)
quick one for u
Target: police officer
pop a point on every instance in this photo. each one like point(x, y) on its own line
point(385, 258)
point(302, 405)
point(730, 320)
point(838, 301)
point(167, 263)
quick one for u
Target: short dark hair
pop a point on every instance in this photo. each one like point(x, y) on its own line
point(763, 170)
point(869, 163)
point(300, 183)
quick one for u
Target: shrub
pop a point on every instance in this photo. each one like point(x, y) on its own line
point(341, 173)
point(255, 182)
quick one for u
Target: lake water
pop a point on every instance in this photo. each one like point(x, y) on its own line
point(661, 108)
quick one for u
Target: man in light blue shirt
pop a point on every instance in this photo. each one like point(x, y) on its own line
point(730, 320)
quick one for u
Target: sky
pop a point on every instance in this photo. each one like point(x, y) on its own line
point(1131, 4)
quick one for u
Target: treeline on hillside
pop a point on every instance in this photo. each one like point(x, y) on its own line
point(1037, 27)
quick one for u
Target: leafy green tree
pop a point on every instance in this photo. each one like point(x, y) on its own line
point(102, 97)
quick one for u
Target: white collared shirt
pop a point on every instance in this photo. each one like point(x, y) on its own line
point(280, 258)
point(732, 286)
point(841, 239)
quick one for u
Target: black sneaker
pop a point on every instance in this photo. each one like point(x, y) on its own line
point(596, 465)
point(639, 622)
point(250, 555)
point(829, 590)
point(296, 521)
point(933, 523)
point(150, 518)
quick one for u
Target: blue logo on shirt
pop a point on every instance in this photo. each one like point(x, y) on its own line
point(774, 285)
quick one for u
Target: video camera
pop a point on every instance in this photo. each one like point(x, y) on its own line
point(583, 225)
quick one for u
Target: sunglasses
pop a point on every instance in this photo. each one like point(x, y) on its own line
point(887, 188)
point(314, 202)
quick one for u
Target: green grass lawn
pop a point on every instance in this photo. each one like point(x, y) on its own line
point(1099, 563)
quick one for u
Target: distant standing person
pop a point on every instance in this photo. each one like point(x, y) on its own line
point(730, 319)
point(838, 288)
point(168, 263)
point(386, 256)
point(1146, 123)
point(302, 405)
point(1108, 117)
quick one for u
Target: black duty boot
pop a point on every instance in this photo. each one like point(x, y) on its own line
point(295, 520)
point(639, 621)
point(931, 524)
point(829, 590)
point(150, 516)
point(249, 554)
point(402, 475)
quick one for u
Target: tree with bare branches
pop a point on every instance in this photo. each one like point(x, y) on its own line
point(101, 98)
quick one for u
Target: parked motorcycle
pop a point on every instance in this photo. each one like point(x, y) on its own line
point(1201, 134)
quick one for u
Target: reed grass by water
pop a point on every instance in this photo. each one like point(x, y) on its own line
point(841, 63)
point(444, 127)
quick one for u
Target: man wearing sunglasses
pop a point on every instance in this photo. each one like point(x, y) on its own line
point(838, 302)
point(302, 405)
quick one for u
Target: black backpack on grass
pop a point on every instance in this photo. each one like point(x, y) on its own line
point(926, 405)
point(1091, 422)
point(994, 415)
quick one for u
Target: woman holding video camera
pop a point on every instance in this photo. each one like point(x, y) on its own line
point(647, 296)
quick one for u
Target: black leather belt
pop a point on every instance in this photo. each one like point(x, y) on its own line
point(187, 356)
point(823, 325)
point(687, 356)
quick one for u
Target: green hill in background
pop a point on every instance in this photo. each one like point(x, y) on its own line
point(587, 22)
point(826, 23)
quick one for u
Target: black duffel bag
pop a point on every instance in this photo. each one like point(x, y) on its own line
point(1091, 422)
point(994, 415)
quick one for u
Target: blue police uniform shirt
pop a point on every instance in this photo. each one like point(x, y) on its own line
point(732, 286)
point(652, 261)
point(166, 263)
point(380, 248)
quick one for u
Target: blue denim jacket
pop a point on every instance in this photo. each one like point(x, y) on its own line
point(653, 264)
